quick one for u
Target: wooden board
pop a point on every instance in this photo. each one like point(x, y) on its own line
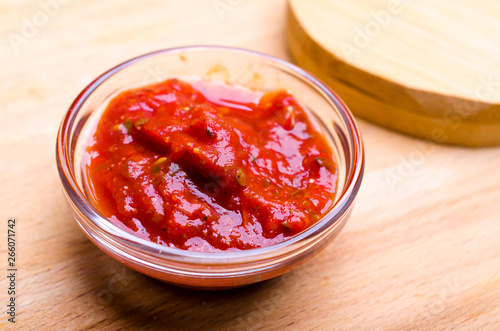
point(427, 68)
point(421, 250)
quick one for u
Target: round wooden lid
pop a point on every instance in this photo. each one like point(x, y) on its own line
point(426, 68)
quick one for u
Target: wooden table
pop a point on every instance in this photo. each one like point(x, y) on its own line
point(421, 250)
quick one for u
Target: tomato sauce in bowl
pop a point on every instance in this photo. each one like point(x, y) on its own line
point(205, 184)
point(208, 167)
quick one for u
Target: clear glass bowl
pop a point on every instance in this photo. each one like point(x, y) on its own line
point(243, 67)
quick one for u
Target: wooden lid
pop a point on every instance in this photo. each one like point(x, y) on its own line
point(426, 68)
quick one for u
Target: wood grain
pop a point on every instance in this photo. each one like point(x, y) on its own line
point(416, 67)
point(420, 251)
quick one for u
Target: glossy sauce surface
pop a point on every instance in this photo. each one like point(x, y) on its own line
point(208, 167)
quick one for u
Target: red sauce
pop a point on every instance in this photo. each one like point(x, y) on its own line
point(208, 167)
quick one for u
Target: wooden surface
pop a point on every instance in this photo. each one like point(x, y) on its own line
point(421, 250)
point(413, 66)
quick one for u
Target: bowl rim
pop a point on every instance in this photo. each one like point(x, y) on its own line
point(79, 200)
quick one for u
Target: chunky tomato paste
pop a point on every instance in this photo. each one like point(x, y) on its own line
point(208, 167)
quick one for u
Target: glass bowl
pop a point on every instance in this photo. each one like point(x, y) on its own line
point(251, 69)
